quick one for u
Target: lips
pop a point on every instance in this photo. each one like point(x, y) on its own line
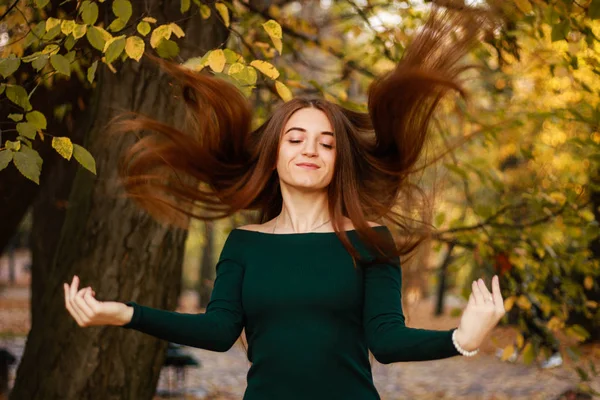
point(308, 165)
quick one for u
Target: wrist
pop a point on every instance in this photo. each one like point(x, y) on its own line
point(464, 342)
point(126, 315)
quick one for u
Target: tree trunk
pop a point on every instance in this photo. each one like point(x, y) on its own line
point(110, 244)
point(207, 267)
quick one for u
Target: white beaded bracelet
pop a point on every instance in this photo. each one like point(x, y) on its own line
point(460, 349)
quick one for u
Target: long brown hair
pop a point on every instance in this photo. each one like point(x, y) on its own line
point(220, 166)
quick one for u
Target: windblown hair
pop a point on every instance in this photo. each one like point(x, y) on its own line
point(220, 166)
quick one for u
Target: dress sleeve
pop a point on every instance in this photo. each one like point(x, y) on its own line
point(217, 329)
point(388, 337)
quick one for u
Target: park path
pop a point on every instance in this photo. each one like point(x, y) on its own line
point(481, 377)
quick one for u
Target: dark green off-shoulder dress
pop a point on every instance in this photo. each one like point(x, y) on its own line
point(310, 316)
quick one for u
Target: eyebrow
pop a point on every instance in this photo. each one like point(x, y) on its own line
point(304, 130)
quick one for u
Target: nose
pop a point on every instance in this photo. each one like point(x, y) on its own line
point(310, 148)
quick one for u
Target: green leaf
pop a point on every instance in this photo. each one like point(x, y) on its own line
point(61, 64)
point(117, 25)
point(9, 65)
point(6, 157)
point(37, 119)
point(27, 164)
point(84, 158)
point(594, 9)
point(122, 9)
point(560, 31)
point(167, 49)
point(63, 146)
point(89, 12)
point(91, 72)
point(96, 38)
point(185, 6)
point(231, 57)
point(52, 33)
point(582, 374)
point(115, 48)
point(13, 145)
point(70, 42)
point(18, 95)
point(143, 28)
point(40, 62)
point(134, 47)
point(15, 117)
point(528, 354)
point(27, 129)
point(204, 11)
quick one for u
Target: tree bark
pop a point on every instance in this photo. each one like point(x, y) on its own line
point(207, 266)
point(110, 244)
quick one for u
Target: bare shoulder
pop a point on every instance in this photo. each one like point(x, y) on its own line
point(255, 227)
point(348, 225)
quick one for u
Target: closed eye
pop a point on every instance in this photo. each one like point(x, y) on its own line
point(327, 146)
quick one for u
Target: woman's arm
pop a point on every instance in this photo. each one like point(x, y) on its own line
point(217, 329)
point(388, 338)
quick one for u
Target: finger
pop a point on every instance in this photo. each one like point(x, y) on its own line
point(74, 286)
point(69, 305)
point(477, 293)
point(471, 301)
point(487, 296)
point(497, 293)
point(83, 305)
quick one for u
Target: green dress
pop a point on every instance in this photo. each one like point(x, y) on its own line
point(310, 316)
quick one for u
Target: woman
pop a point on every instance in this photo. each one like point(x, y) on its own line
point(315, 284)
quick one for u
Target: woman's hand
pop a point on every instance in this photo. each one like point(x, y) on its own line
point(481, 315)
point(88, 311)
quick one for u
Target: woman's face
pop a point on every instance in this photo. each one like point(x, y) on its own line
point(307, 150)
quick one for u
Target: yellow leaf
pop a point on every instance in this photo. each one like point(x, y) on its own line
point(278, 44)
point(134, 47)
point(588, 282)
point(159, 33)
point(149, 19)
point(508, 351)
point(523, 303)
point(223, 12)
point(216, 60)
point(176, 29)
point(273, 29)
point(283, 91)
point(266, 68)
point(204, 11)
point(79, 31)
point(509, 302)
point(520, 340)
point(63, 146)
point(51, 23)
point(524, 6)
point(591, 304)
point(67, 26)
point(555, 324)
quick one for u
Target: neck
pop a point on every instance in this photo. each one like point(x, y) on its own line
point(303, 211)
